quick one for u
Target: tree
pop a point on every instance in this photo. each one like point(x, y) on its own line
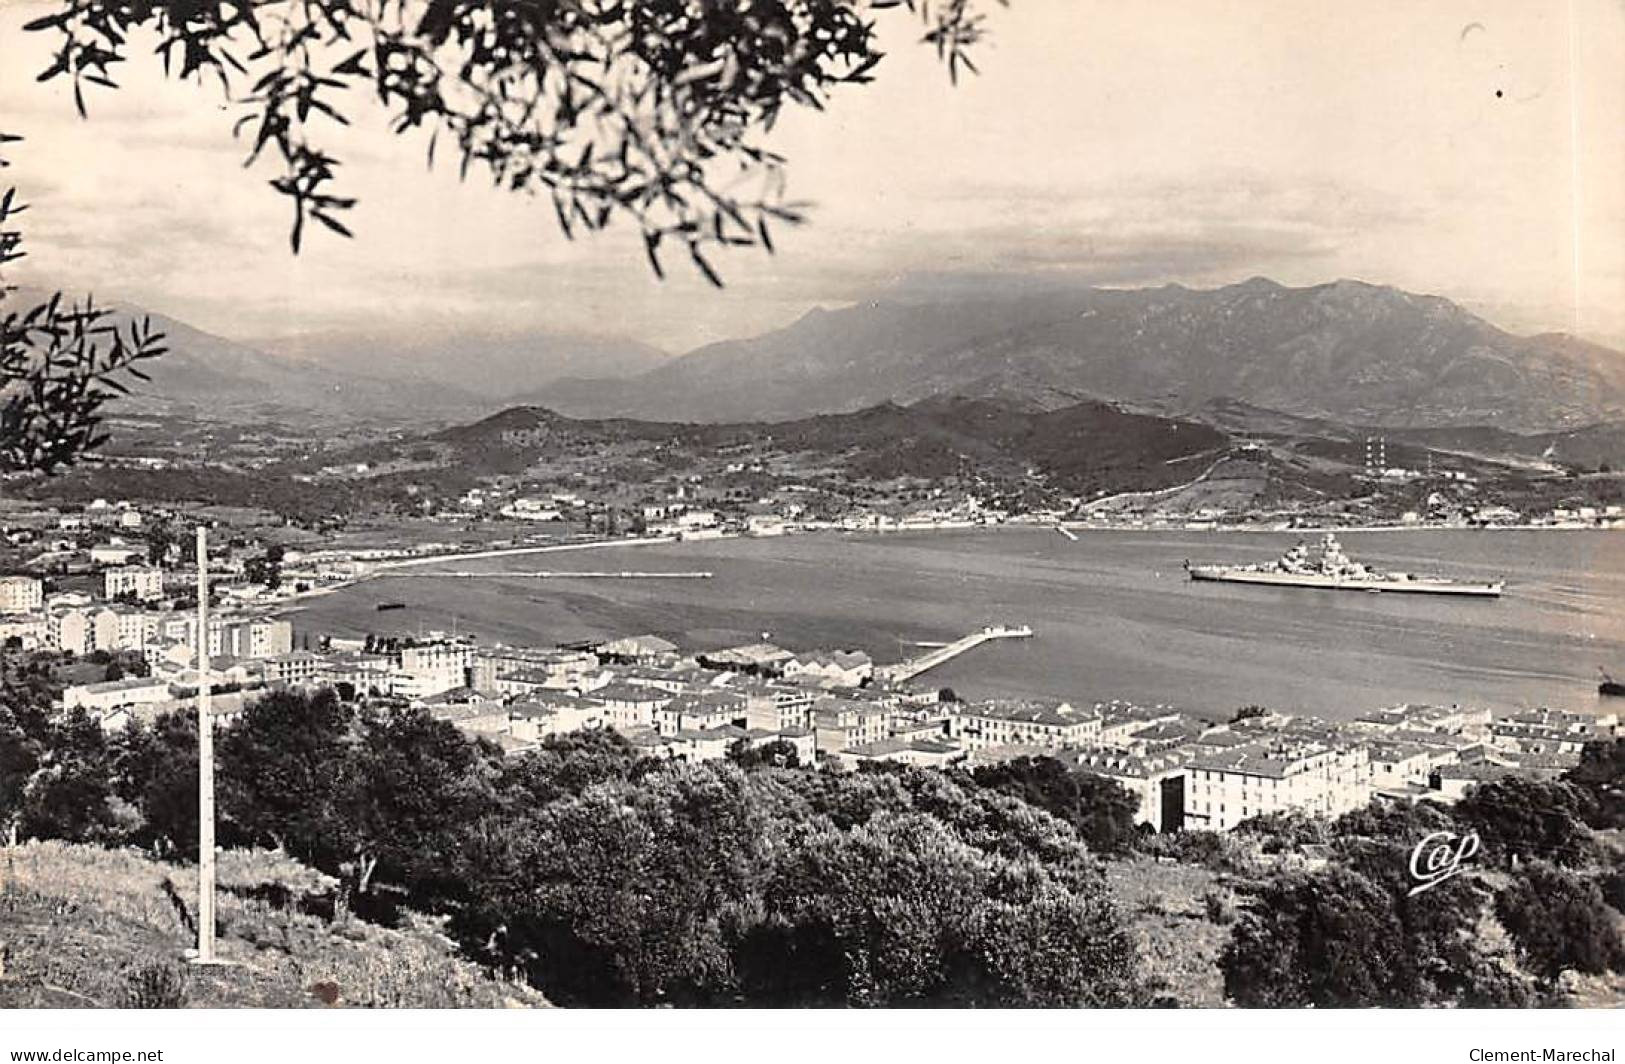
point(1102, 810)
point(1519, 818)
point(618, 893)
point(1561, 921)
point(648, 111)
point(645, 110)
point(266, 568)
point(1324, 940)
point(1248, 713)
point(407, 784)
point(282, 774)
point(22, 746)
point(155, 770)
point(902, 911)
point(160, 537)
point(60, 362)
point(68, 795)
point(778, 754)
point(1447, 956)
point(1601, 774)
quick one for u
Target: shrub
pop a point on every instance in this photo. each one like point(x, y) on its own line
point(158, 985)
point(1518, 818)
point(1324, 940)
point(1101, 810)
point(1560, 921)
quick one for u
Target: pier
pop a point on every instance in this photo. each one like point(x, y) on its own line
point(907, 670)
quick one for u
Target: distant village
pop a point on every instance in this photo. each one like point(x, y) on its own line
point(129, 605)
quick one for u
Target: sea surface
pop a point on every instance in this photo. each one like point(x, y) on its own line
point(1113, 612)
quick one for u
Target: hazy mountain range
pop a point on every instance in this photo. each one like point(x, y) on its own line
point(493, 365)
point(1345, 352)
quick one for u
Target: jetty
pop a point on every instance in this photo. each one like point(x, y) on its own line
point(907, 670)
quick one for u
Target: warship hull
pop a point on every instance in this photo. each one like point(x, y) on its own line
point(1407, 586)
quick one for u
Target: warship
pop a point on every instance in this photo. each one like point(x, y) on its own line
point(1335, 571)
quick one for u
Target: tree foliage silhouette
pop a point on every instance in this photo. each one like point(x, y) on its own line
point(650, 111)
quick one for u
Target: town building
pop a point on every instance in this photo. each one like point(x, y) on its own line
point(841, 668)
point(1225, 787)
point(69, 631)
point(144, 583)
point(296, 668)
point(1024, 723)
point(1156, 781)
point(631, 706)
point(924, 753)
point(26, 632)
point(428, 669)
point(699, 711)
point(538, 668)
point(638, 648)
point(21, 594)
point(115, 552)
point(839, 723)
point(777, 706)
point(118, 628)
point(98, 697)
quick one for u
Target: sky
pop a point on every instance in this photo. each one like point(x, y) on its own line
point(1465, 148)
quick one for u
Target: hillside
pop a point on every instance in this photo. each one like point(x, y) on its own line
point(211, 378)
point(382, 377)
point(91, 928)
point(1083, 447)
point(1347, 351)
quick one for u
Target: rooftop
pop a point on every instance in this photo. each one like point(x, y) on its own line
point(1275, 760)
point(1054, 714)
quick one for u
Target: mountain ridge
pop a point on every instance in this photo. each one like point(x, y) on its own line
point(1346, 350)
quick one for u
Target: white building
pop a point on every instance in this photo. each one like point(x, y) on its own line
point(1225, 787)
point(145, 583)
point(297, 668)
point(1157, 781)
point(430, 668)
point(118, 629)
point(116, 552)
point(100, 697)
point(21, 594)
point(69, 631)
point(840, 668)
point(1020, 723)
point(30, 632)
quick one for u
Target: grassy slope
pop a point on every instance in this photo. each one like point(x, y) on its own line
point(85, 927)
point(1179, 944)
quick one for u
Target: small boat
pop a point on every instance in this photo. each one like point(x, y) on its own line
point(382, 606)
point(1610, 686)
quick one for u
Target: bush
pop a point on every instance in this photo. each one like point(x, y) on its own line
point(1323, 940)
point(1101, 810)
point(1219, 907)
point(1560, 921)
point(157, 985)
point(1601, 774)
point(1612, 885)
point(1518, 818)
